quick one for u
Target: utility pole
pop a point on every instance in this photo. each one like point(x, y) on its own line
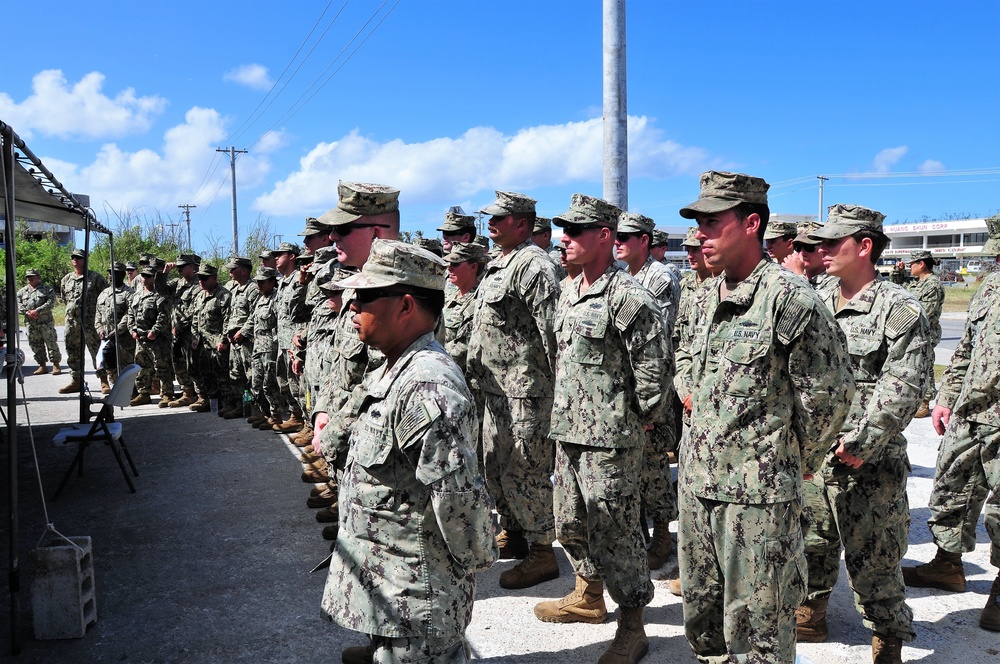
point(615, 106)
point(821, 179)
point(187, 218)
point(173, 233)
point(232, 163)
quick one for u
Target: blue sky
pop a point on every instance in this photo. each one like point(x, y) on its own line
point(450, 99)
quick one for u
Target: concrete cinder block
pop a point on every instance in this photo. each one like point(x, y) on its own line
point(63, 599)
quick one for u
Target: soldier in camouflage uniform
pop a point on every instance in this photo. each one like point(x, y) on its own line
point(466, 265)
point(806, 261)
point(262, 330)
point(512, 361)
point(457, 227)
point(112, 321)
point(858, 500)
point(211, 308)
point(769, 382)
point(242, 301)
point(417, 522)
point(967, 413)
point(779, 238)
point(613, 360)
point(927, 288)
point(291, 297)
point(35, 302)
point(658, 246)
point(541, 235)
point(148, 323)
point(635, 232)
point(180, 294)
point(79, 316)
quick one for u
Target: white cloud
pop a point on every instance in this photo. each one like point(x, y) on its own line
point(886, 159)
point(253, 76)
point(483, 158)
point(80, 111)
point(930, 166)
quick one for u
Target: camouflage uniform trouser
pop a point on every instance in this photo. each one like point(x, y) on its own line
point(930, 392)
point(596, 509)
point(265, 385)
point(743, 574)
point(421, 650)
point(44, 343)
point(657, 491)
point(968, 469)
point(519, 458)
point(211, 374)
point(867, 511)
point(240, 368)
point(182, 355)
point(74, 352)
point(153, 358)
point(288, 383)
point(125, 353)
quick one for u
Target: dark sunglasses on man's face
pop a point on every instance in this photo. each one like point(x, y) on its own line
point(625, 237)
point(345, 230)
point(804, 248)
point(573, 230)
point(369, 295)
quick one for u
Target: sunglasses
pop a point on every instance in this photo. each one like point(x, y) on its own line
point(804, 248)
point(574, 230)
point(625, 237)
point(345, 230)
point(369, 295)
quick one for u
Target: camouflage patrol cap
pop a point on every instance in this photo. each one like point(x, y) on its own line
point(396, 263)
point(265, 273)
point(208, 270)
point(483, 241)
point(304, 259)
point(462, 252)
point(360, 199)
point(314, 227)
point(632, 222)
point(332, 286)
point(776, 229)
point(457, 223)
point(78, 253)
point(992, 246)
point(691, 239)
point(187, 259)
point(266, 254)
point(288, 248)
point(588, 210)
point(723, 191)
point(542, 225)
point(804, 229)
point(158, 264)
point(845, 220)
point(509, 202)
point(131, 266)
point(147, 271)
point(33, 273)
point(117, 266)
point(660, 239)
point(236, 262)
point(431, 244)
point(923, 255)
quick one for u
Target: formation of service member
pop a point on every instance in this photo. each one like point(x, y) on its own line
point(35, 302)
point(466, 263)
point(80, 316)
point(613, 360)
point(765, 406)
point(457, 227)
point(180, 293)
point(779, 239)
point(658, 247)
point(806, 261)
point(149, 325)
point(927, 288)
point(541, 235)
point(967, 413)
point(417, 519)
point(858, 499)
point(111, 322)
point(211, 307)
point(635, 232)
point(512, 362)
point(262, 328)
point(241, 304)
point(291, 312)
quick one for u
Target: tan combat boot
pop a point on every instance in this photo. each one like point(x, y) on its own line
point(660, 546)
point(41, 370)
point(538, 567)
point(268, 424)
point(186, 399)
point(924, 410)
point(56, 369)
point(358, 655)
point(141, 400)
point(630, 644)
point(945, 572)
point(810, 621)
point(202, 405)
point(990, 617)
point(512, 545)
point(71, 388)
point(105, 385)
point(674, 587)
point(304, 437)
point(293, 424)
point(585, 604)
point(256, 416)
point(887, 649)
point(165, 399)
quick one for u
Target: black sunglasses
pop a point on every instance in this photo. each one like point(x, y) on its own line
point(573, 230)
point(345, 230)
point(369, 295)
point(625, 237)
point(804, 248)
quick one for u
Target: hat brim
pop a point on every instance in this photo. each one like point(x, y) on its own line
point(773, 235)
point(806, 239)
point(834, 232)
point(691, 245)
point(338, 217)
point(496, 211)
point(632, 228)
point(575, 218)
point(362, 281)
point(708, 205)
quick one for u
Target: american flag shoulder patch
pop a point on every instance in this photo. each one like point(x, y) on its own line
point(901, 318)
point(793, 319)
point(415, 419)
point(627, 312)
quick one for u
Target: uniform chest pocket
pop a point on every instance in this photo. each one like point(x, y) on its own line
point(493, 306)
point(588, 339)
point(865, 358)
point(745, 370)
point(371, 441)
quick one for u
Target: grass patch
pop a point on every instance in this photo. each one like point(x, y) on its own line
point(59, 313)
point(939, 370)
point(956, 298)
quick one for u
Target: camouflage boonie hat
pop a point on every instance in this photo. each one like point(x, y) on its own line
point(78, 253)
point(457, 223)
point(509, 202)
point(288, 248)
point(845, 220)
point(131, 266)
point(691, 239)
point(208, 270)
point(776, 229)
point(588, 210)
point(542, 224)
point(992, 246)
point(332, 286)
point(923, 255)
point(187, 259)
point(462, 252)
point(265, 273)
point(660, 239)
point(117, 266)
point(631, 222)
point(34, 273)
point(314, 227)
point(724, 191)
point(238, 262)
point(360, 199)
point(804, 229)
point(396, 263)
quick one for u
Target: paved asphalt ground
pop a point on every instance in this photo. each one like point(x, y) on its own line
point(209, 561)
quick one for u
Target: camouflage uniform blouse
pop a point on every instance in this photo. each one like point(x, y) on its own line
point(112, 305)
point(71, 287)
point(458, 313)
point(666, 290)
point(930, 293)
point(292, 311)
point(262, 325)
point(148, 313)
point(613, 362)
point(771, 384)
point(512, 345)
point(415, 513)
point(241, 305)
point(971, 385)
point(41, 299)
point(210, 312)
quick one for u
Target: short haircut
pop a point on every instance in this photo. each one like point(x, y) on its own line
point(879, 242)
point(744, 210)
point(430, 300)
